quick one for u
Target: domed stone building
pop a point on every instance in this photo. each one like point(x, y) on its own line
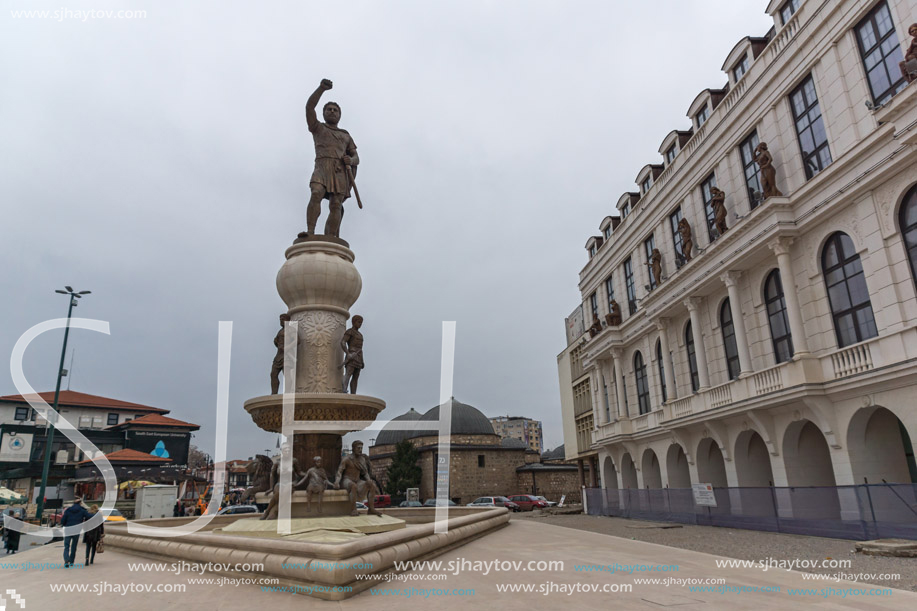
point(481, 462)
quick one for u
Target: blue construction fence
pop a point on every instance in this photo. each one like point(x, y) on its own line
point(863, 512)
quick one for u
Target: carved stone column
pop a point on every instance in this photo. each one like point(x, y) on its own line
point(781, 248)
point(670, 390)
point(608, 374)
point(319, 283)
point(731, 280)
point(616, 354)
point(700, 352)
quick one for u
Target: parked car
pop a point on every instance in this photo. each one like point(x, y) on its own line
point(237, 509)
point(494, 501)
point(382, 500)
point(435, 503)
point(361, 505)
point(113, 515)
point(528, 502)
point(550, 503)
point(410, 504)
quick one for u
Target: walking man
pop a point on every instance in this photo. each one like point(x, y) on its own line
point(73, 515)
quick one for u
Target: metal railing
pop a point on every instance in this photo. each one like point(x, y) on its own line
point(861, 512)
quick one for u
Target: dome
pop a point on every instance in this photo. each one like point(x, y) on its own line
point(390, 437)
point(466, 420)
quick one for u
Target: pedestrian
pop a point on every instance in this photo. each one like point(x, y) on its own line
point(176, 511)
point(74, 515)
point(10, 536)
point(12, 540)
point(93, 537)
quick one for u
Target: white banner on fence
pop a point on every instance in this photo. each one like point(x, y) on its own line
point(703, 495)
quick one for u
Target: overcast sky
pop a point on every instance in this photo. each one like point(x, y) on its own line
point(163, 163)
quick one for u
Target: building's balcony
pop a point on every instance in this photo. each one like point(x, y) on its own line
point(812, 375)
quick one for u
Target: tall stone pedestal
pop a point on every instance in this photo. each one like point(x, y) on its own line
point(319, 283)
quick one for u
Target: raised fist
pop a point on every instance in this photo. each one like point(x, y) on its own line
point(325, 84)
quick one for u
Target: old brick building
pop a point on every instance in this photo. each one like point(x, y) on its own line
point(481, 463)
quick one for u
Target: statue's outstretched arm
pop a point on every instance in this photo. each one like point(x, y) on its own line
point(312, 102)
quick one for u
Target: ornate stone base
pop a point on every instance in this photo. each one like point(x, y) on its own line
point(325, 561)
point(267, 411)
point(353, 412)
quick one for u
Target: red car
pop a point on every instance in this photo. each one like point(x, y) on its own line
point(528, 502)
point(382, 500)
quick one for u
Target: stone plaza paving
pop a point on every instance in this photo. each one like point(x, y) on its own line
point(521, 541)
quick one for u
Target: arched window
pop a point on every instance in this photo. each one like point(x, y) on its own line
point(908, 219)
point(692, 358)
point(847, 291)
point(659, 363)
point(643, 387)
point(733, 368)
point(776, 317)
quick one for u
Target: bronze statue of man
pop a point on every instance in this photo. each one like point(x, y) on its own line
point(285, 450)
point(613, 318)
point(277, 366)
point(687, 241)
point(596, 327)
point(355, 476)
point(315, 481)
point(910, 56)
point(352, 344)
point(718, 203)
point(335, 163)
point(656, 266)
point(768, 173)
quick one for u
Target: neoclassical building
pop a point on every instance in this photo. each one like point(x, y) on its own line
point(780, 349)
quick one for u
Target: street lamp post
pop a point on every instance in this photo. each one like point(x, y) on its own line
point(60, 374)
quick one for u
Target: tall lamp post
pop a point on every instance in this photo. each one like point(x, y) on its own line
point(60, 374)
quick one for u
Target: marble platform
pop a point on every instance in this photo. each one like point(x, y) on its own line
point(315, 529)
point(301, 563)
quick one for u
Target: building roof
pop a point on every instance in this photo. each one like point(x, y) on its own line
point(130, 456)
point(555, 454)
point(71, 398)
point(388, 436)
point(512, 442)
point(466, 420)
point(155, 420)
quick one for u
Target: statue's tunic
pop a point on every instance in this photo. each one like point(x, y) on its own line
point(354, 341)
point(331, 145)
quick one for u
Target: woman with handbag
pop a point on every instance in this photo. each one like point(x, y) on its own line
point(93, 539)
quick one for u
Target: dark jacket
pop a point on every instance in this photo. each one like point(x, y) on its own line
point(75, 514)
point(94, 535)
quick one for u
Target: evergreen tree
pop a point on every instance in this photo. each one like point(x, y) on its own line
point(404, 472)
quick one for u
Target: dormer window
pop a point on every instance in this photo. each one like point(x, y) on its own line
point(740, 69)
point(788, 9)
point(647, 183)
point(592, 251)
point(625, 210)
point(701, 117)
point(607, 233)
point(670, 154)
